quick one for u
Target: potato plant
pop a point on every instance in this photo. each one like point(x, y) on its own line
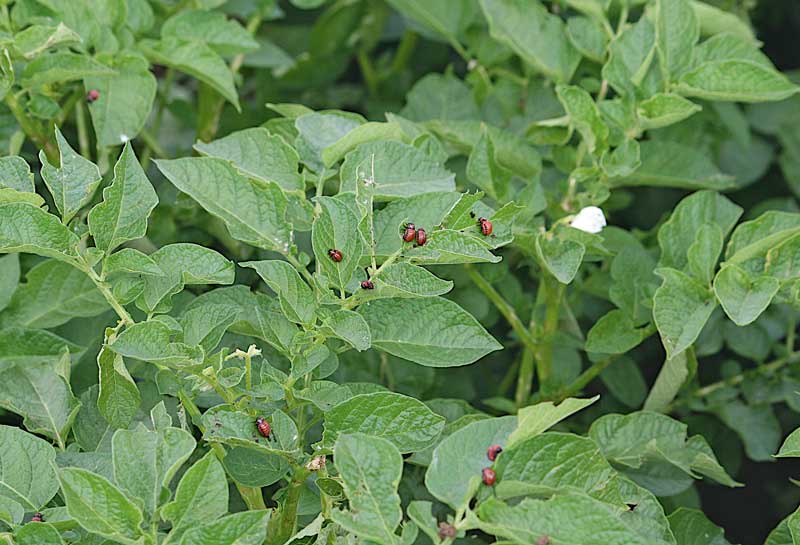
point(393, 272)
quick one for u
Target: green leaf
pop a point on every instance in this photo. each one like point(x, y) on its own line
point(534, 34)
point(630, 55)
point(781, 259)
point(205, 324)
point(691, 527)
point(371, 132)
point(551, 463)
point(336, 228)
point(440, 96)
point(625, 382)
point(560, 256)
point(653, 450)
point(38, 393)
point(253, 211)
point(27, 469)
point(736, 81)
point(449, 247)
point(225, 424)
point(584, 116)
point(196, 59)
point(677, 32)
point(36, 39)
point(663, 109)
point(614, 333)
point(316, 131)
point(124, 102)
point(146, 461)
point(394, 169)
point(791, 446)
point(201, 496)
point(9, 279)
point(430, 331)
point(61, 67)
point(681, 307)
point(100, 507)
point(16, 173)
point(406, 280)
point(183, 264)
point(678, 234)
point(259, 155)
point(535, 419)
point(119, 398)
point(568, 518)
point(425, 211)
point(588, 37)
point(151, 341)
point(742, 295)
point(127, 203)
point(25, 347)
point(38, 534)
point(130, 261)
point(753, 239)
point(245, 528)
point(55, 292)
point(756, 426)
point(704, 252)
point(26, 228)
point(622, 160)
point(350, 327)
point(448, 21)
point(225, 36)
point(671, 164)
point(484, 171)
point(296, 298)
point(454, 473)
point(73, 183)
point(405, 422)
point(256, 468)
point(370, 469)
point(726, 46)
point(714, 20)
point(670, 379)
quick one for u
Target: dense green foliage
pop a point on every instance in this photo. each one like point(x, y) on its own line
point(219, 327)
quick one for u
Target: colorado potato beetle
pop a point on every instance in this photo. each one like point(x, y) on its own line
point(446, 530)
point(336, 255)
point(367, 285)
point(422, 237)
point(489, 476)
point(410, 232)
point(493, 451)
point(263, 426)
point(92, 95)
point(486, 226)
point(37, 517)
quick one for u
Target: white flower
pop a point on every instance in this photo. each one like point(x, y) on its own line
point(589, 219)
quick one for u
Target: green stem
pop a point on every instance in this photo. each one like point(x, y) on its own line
point(404, 51)
point(248, 371)
point(163, 100)
point(286, 525)
point(503, 306)
point(83, 131)
point(107, 294)
point(553, 296)
point(300, 268)
point(368, 73)
point(152, 144)
point(525, 378)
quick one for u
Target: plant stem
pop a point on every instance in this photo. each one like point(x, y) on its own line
point(248, 371)
point(286, 525)
point(104, 289)
point(32, 128)
point(404, 51)
point(368, 73)
point(503, 306)
point(163, 100)
point(83, 131)
point(300, 268)
point(554, 293)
